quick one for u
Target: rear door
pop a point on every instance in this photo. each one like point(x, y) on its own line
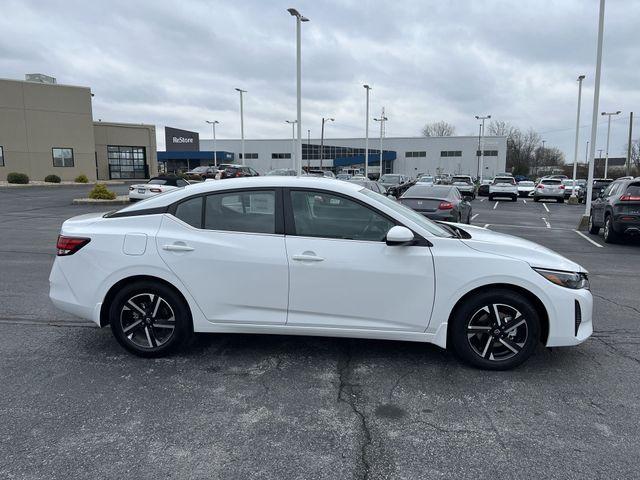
point(343, 274)
point(228, 249)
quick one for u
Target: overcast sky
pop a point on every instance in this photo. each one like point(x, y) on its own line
point(177, 63)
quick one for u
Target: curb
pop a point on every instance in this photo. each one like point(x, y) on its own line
point(51, 184)
point(119, 200)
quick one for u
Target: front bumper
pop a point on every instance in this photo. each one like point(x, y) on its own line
point(562, 322)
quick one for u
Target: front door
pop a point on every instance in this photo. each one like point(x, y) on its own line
point(225, 250)
point(343, 274)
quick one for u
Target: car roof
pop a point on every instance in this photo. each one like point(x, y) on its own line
point(166, 199)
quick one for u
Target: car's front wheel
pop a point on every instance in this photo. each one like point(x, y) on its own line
point(150, 319)
point(495, 330)
point(592, 228)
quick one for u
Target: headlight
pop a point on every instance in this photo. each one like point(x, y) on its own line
point(574, 280)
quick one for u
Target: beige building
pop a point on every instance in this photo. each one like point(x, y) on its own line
point(47, 128)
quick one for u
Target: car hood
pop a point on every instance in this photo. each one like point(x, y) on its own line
point(488, 241)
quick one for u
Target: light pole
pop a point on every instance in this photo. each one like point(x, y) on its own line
point(213, 127)
point(241, 125)
point(366, 136)
point(322, 137)
point(483, 118)
point(299, 20)
point(293, 142)
point(574, 198)
point(594, 118)
point(382, 119)
point(478, 155)
point(606, 153)
point(308, 150)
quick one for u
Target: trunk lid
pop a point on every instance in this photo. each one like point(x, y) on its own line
point(421, 204)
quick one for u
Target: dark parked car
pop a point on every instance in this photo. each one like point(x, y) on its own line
point(204, 172)
point(438, 202)
point(395, 184)
point(617, 210)
point(373, 186)
point(483, 189)
point(599, 184)
point(235, 171)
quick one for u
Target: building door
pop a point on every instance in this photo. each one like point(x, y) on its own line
point(127, 162)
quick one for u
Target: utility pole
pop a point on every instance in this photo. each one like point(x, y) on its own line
point(628, 162)
point(573, 199)
point(483, 118)
point(382, 119)
point(366, 136)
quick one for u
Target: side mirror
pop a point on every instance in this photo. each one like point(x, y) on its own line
point(399, 235)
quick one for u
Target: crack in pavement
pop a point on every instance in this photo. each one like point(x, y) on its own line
point(618, 351)
point(616, 303)
point(346, 395)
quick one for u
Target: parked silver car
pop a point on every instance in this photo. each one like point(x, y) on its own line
point(551, 188)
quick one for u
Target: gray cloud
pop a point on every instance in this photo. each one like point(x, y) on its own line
point(177, 63)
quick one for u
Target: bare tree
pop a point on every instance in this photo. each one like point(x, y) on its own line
point(500, 128)
point(438, 129)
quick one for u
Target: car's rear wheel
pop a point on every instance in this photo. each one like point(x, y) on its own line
point(150, 319)
point(592, 228)
point(536, 199)
point(561, 200)
point(608, 233)
point(495, 330)
point(491, 198)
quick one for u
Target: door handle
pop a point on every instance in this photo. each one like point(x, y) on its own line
point(307, 258)
point(176, 247)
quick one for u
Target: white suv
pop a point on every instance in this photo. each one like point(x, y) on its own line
point(504, 187)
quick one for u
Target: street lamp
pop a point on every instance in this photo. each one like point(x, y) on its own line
point(293, 141)
point(483, 118)
point(213, 127)
point(299, 20)
point(241, 125)
point(382, 119)
point(366, 136)
point(322, 137)
point(606, 153)
point(308, 150)
point(574, 198)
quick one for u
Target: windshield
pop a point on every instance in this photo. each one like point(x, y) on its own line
point(426, 179)
point(282, 172)
point(412, 215)
point(390, 179)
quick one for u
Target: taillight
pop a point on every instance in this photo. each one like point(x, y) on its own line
point(561, 187)
point(445, 206)
point(630, 198)
point(540, 186)
point(155, 190)
point(70, 245)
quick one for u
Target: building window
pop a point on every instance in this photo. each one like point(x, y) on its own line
point(127, 162)
point(1, 156)
point(488, 153)
point(280, 155)
point(451, 153)
point(62, 157)
point(249, 156)
point(415, 154)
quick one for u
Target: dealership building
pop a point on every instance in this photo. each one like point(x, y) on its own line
point(47, 128)
point(405, 155)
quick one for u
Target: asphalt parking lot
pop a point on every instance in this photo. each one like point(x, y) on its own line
point(74, 405)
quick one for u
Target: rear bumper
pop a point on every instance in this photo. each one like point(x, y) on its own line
point(630, 226)
point(63, 296)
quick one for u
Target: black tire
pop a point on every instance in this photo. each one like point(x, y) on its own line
point(609, 234)
point(491, 198)
point(493, 345)
point(536, 199)
point(592, 228)
point(151, 322)
point(561, 200)
point(514, 199)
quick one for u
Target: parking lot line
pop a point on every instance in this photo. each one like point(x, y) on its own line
point(546, 222)
point(588, 239)
point(482, 199)
point(474, 217)
point(545, 206)
point(496, 205)
point(525, 202)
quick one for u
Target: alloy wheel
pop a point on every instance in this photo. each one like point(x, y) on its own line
point(147, 320)
point(497, 332)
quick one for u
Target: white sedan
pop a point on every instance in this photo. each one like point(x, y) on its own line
point(166, 267)
point(155, 186)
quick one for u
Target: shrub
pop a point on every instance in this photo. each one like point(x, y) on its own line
point(15, 177)
point(100, 192)
point(81, 179)
point(52, 179)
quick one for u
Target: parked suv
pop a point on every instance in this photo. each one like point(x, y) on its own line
point(465, 184)
point(235, 171)
point(617, 210)
point(504, 187)
point(551, 188)
point(599, 185)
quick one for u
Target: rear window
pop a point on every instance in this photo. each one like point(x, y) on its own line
point(509, 180)
point(633, 189)
point(158, 181)
point(551, 181)
point(461, 179)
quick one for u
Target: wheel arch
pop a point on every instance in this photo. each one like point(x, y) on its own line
point(536, 302)
point(104, 309)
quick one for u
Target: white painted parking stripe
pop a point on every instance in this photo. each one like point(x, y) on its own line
point(545, 206)
point(546, 222)
point(486, 225)
point(588, 239)
point(495, 206)
point(482, 199)
point(474, 217)
point(525, 202)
